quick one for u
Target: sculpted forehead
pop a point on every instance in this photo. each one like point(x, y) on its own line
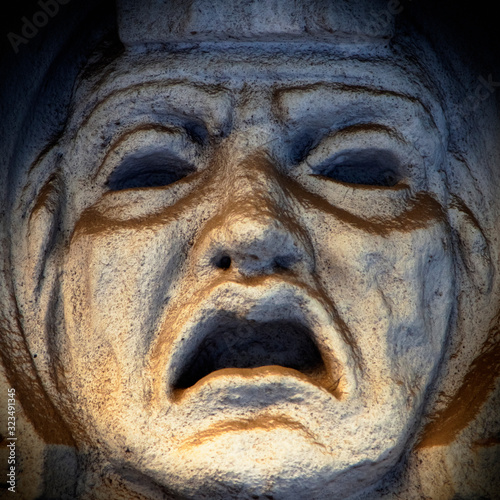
point(238, 64)
point(274, 108)
point(208, 81)
point(298, 81)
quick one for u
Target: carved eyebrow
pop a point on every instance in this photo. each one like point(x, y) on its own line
point(168, 91)
point(342, 87)
point(368, 127)
point(280, 95)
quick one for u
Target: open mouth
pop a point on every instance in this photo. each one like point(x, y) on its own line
point(275, 339)
point(231, 342)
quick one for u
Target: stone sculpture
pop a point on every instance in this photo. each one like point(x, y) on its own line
point(258, 260)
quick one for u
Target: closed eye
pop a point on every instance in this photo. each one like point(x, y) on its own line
point(154, 169)
point(369, 167)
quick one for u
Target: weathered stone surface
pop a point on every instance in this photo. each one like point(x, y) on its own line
point(256, 266)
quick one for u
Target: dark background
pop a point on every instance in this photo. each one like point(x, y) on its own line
point(13, 12)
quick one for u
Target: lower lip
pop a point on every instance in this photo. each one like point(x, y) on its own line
point(242, 378)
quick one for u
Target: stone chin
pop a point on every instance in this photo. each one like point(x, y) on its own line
point(266, 458)
point(273, 456)
point(275, 453)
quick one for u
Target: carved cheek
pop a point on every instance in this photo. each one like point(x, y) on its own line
point(117, 281)
point(394, 292)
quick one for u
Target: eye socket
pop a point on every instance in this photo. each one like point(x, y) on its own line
point(303, 144)
point(149, 170)
point(369, 167)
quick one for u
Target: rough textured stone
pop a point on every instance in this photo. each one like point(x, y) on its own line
point(250, 250)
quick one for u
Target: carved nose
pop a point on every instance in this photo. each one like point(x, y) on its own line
point(254, 245)
point(256, 231)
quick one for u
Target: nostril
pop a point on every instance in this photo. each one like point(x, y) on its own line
point(224, 262)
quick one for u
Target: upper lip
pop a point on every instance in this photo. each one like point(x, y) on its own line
point(233, 304)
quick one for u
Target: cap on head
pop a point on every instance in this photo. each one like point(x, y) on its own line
point(166, 21)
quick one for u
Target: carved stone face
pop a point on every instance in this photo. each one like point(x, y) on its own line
point(258, 283)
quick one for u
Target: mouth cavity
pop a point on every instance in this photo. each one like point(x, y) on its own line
point(252, 344)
